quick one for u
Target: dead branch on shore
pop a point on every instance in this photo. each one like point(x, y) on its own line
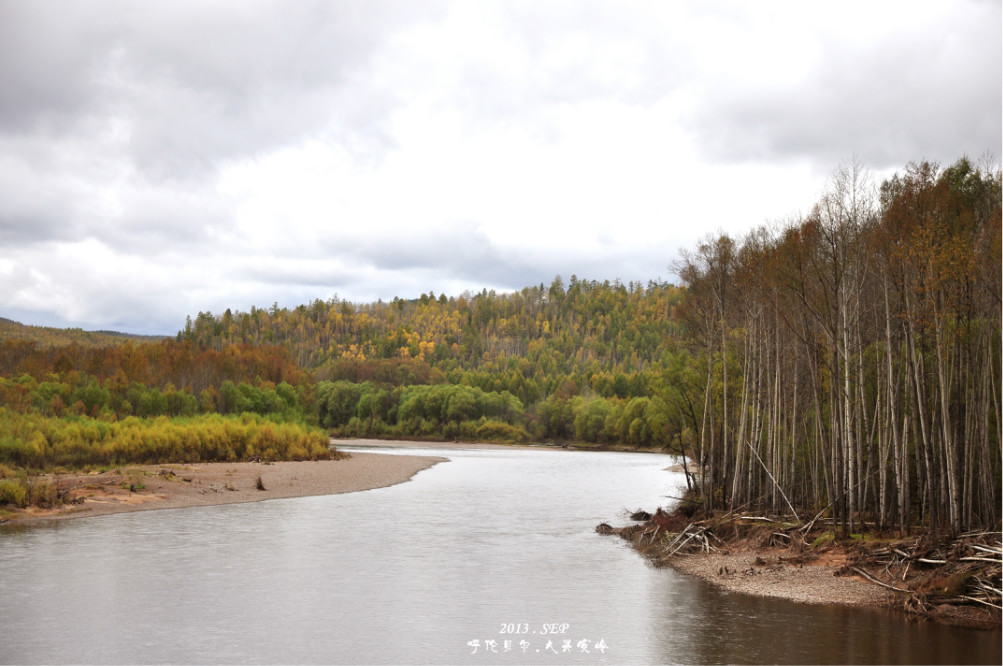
point(981, 601)
point(876, 581)
point(693, 532)
point(995, 551)
point(932, 571)
point(959, 571)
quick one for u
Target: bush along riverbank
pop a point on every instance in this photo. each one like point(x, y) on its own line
point(950, 579)
point(33, 447)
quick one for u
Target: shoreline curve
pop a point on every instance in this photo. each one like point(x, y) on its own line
point(182, 485)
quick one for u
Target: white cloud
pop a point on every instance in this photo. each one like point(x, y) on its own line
point(163, 160)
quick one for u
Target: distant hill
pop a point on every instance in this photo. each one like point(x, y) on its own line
point(527, 342)
point(61, 337)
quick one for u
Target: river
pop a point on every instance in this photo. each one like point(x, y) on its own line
point(490, 558)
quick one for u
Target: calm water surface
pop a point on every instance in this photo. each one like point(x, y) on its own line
point(493, 546)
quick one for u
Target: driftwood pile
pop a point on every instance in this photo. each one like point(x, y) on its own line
point(663, 535)
point(931, 573)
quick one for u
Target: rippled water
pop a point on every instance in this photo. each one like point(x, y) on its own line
point(493, 546)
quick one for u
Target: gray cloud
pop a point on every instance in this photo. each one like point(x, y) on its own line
point(119, 122)
point(191, 83)
point(469, 255)
point(460, 255)
point(47, 65)
point(905, 96)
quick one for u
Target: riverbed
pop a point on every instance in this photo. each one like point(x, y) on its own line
point(489, 558)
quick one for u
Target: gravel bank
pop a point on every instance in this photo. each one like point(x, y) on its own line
point(762, 573)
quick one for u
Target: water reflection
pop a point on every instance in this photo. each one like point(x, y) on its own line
point(732, 628)
point(414, 574)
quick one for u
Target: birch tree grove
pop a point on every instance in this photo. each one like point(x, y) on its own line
point(852, 356)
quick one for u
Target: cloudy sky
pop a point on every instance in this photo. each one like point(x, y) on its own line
point(158, 159)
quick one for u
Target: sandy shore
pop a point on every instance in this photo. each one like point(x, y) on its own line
point(171, 486)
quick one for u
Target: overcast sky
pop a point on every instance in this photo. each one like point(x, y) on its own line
point(158, 159)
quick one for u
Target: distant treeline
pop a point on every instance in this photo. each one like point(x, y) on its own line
point(153, 402)
point(61, 337)
point(452, 411)
point(184, 365)
point(606, 338)
point(583, 360)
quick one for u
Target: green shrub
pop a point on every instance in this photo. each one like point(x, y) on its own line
point(497, 431)
point(12, 492)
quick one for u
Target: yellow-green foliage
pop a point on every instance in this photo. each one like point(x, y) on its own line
point(12, 492)
point(500, 432)
point(33, 441)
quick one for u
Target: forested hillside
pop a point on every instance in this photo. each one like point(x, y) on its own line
point(567, 362)
point(153, 379)
point(598, 335)
point(576, 362)
point(581, 360)
point(73, 406)
point(48, 335)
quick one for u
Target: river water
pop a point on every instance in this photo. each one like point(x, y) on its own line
point(490, 558)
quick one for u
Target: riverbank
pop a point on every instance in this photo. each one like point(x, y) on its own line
point(952, 581)
point(422, 444)
point(534, 446)
point(172, 486)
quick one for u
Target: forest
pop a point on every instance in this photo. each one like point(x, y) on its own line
point(845, 361)
point(849, 361)
point(86, 405)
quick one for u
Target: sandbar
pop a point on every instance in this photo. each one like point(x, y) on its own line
point(172, 486)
